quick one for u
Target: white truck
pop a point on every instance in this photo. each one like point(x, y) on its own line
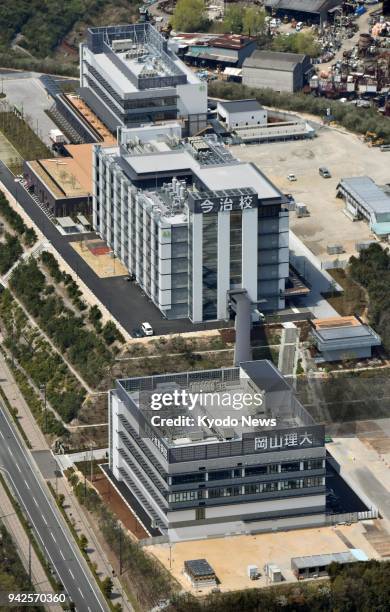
point(57, 137)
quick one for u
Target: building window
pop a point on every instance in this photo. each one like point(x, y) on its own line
point(183, 496)
point(220, 475)
point(184, 478)
point(224, 492)
point(235, 249)
point(312, 464)
point(292, 466)
point(200, 514)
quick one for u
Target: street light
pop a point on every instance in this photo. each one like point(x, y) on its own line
point(42, 388)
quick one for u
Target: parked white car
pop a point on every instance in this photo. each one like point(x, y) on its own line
point(147, 329)
point(291, 177)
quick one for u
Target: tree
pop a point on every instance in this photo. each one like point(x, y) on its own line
point(300, 42)
point(107, 586)
point(233, 21)
point(253, 22)
point(189, 16)
point(83, 541)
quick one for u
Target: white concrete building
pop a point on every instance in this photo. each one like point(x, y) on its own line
point(191, 223)
point(194, 479)
point(241, 113)
point(129, 77)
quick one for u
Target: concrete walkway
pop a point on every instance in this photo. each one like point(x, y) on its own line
point(16, 399)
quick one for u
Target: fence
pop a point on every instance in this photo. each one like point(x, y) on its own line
point(351, 517)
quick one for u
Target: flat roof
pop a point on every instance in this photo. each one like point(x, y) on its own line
point(327, 559)
point(208, 388)
point(274, 60)
point(367, 193)
point(91, 118)
point(342, 328)
point(198, 567)
point(234, 175)
point(241, 106)
point(335, 322)
point(73, 175)
point(66, 222)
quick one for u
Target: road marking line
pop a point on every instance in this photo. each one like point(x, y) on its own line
point(51, 533)
point(1, 434)
point(62, 555)
point(18, 467)
point(28, 458)
point(81, 593)
point(35, 502)
point(44, 520)
point(71, 573)
point(25, 482)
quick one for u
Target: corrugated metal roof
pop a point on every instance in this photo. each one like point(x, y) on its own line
point(322, 560)
point(303, 6)
point(274, 60)
point(367, 193)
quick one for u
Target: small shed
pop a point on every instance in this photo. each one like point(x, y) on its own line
point(200, 573)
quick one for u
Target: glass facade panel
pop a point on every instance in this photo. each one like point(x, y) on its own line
point(210, 245)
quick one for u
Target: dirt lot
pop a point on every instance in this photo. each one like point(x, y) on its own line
point(345, 155)
point(103, 265)
point(230, 556)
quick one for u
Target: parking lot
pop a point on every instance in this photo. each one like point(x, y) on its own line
point(26, 92)
point(345, 155)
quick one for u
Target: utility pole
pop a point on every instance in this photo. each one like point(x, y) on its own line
point(120, 551)
point(85, 479)
point(91, 448)
point(29, 561)
point(43, 390)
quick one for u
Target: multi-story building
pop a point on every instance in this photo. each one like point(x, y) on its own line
point(129, 77)
point(191, 222)
point(223, 466)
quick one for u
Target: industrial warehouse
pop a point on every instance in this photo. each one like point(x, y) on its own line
point(191, 222)
point(203, 478)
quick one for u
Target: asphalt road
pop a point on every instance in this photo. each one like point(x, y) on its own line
point(51, 530)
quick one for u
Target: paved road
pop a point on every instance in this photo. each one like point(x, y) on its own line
point(47, 522)
point(124, 300)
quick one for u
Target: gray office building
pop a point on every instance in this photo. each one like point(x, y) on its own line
point(191, 222)
point(129, 77)
point(228, 464)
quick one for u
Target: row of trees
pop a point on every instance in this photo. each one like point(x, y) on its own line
point(357, 120)
point(13, 577)
point(350, 588)
point(16, 222)
point(10, 251)
point(39, 361)
point(109, 331)
point(191, 16)
point(84, 349)
point(22, 136)
point(299, 42)
point(372, 270)
point(149, 579)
